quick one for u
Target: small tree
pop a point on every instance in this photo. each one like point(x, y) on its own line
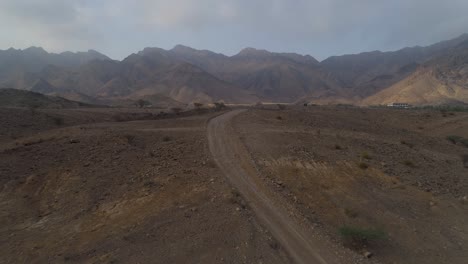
point(219, 106)
point(198, 106)
point(141, 103)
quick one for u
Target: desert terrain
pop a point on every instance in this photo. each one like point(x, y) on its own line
point(92, 190)
point(253, 185)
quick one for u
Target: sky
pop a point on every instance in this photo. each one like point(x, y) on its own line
point(320, 28)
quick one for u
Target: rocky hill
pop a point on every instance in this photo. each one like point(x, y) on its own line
point(421, 75)
point(441, 80)
point(28, 99)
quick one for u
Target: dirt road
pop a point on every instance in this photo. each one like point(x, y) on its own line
point(233, 159)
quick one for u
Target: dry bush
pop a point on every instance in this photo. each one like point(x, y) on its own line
point(363, 165)
point(409, 163)
point(359, 238)
point(366, 155)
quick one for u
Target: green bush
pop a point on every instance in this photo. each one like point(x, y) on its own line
point(360, 237)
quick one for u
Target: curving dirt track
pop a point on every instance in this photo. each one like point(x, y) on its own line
point(234, 160)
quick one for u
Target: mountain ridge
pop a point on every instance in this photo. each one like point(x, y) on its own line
point(186, 74)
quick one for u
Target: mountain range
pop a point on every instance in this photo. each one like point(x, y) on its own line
point(436, 74)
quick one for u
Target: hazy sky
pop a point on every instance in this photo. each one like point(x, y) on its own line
point(317, 27)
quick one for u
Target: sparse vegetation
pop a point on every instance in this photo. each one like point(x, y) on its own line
point(458, 140)
point(141, 103)
point(351, 213)
point(219, 106)
point(363, 165)
point(198, 106)
point(366, 155)
point(359, 238)
point(58, 121)
point(408, 163)
point(130, 138)
point(404, 142)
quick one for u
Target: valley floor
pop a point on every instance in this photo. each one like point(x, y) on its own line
point(91, 186)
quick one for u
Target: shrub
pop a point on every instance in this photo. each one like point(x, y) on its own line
point(198, 106)
point(166, 138)
point(366, 155)
point(338, 147)
point(279, 118)
point(403, 142)
point(458, 140)
point(58, 121)
point(409, 163)
point(141, 103)
point(219, 106)
point(351, 213)
point(465, 161)
point(361, 237)
point(363, 165)
point(129, 138)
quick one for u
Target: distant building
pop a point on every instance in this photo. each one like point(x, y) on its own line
point(399, 105)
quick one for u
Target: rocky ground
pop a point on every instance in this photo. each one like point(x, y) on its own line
point(92, 186)
point(377, 169)
point(119, 192)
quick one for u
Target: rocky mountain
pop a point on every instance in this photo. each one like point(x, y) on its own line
point(368, 73)
point(19, 68)
point(433, 74)
point(441, 80)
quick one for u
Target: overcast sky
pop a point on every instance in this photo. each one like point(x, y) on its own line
point(320, 28)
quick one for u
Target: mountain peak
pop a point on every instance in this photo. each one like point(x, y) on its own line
point(253, 52)
point(182, 48)
point(36, 50)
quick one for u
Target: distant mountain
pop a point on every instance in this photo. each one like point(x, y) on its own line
point(271, 76)
point(21, 98)
point(441, 80)
point(20, 68)
point(368, 73)
point(421, 75)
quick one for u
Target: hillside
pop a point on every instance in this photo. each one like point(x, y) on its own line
point(368, 73)
point(21, 98)
point(421, 75)
point(442, 80)
point(20, 68)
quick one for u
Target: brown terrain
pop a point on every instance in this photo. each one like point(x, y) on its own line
point(140, 161)
point(382, 169)
point(432, 75)
point(251, 186)
point(120, 192)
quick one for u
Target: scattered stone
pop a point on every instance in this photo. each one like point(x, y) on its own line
point(367, 254)
point(74, 141)
point(464, 199)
